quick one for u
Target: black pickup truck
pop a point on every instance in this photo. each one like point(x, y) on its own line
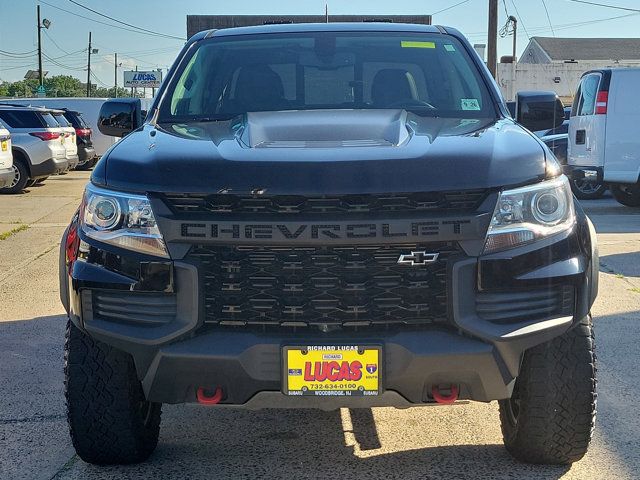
point(325, 216)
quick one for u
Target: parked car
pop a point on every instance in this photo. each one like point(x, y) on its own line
point(557, 140)
point(582, 187)
point(90, 108)
point(339, 215)
point(37, 144)
point(86, 151)
point(6, 158)
point(604, 145)
point(69, 133)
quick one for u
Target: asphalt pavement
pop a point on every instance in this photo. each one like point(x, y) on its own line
point(461, 441)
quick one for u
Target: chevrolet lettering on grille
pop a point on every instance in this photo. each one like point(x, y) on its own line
point(396, 230)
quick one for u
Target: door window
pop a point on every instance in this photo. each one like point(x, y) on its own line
point(585, 101)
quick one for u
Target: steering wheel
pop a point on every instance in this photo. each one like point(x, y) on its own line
point(412, 103)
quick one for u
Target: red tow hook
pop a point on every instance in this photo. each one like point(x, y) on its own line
point(442, 399)
point(204, 399)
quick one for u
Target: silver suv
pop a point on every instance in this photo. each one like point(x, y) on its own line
point(69, 138)
point(6, 158)
point(37, 144)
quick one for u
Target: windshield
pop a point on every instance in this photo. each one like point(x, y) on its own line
point(429, 74)
point(49, 120)
point(61, 120)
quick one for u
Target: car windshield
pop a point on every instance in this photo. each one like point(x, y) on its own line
point(49, 120)
point(61, 120)
point(429, 74)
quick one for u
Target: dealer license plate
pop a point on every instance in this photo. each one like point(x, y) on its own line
point(342, 370)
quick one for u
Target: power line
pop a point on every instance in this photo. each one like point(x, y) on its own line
point(504, 4)
point(5, 52)
point(520, 19)
point(95, 77)
point(449, 8)
point(125, 23)
point(54, 42)
point(565, 26)
point(62, 65)
point(28, 65)
point(617, 7)
point(544, 4)
point(100, 22)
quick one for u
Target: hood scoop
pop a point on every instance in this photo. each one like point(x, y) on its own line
point(325, 129)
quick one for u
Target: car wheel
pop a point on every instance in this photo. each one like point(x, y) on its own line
point(588, 190)
point(550, 416)
point(20, 178)
point(88, 165)
point(626, 194)
point(110, 420)
point(31, 182)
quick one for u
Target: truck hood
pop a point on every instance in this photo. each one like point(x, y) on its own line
point(323, 153)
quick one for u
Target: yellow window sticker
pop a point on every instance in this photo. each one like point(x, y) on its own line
point(412, 44)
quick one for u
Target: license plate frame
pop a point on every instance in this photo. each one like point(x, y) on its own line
point(296, 378)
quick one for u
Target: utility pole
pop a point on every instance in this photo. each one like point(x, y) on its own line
point(492, 47)
point(514, 22)
point(89, 68)
point(40, 73)
point(115, 91)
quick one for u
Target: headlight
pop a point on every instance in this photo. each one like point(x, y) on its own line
point(530, 213)
point(121, 219)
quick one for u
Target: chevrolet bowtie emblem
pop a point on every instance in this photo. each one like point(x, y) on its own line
point(418, 258)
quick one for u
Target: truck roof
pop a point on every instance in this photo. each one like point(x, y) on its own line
point(322, 27)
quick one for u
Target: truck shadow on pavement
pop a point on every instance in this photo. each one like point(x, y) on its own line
point(207, 443)
point(461, 441)
point(623, 264)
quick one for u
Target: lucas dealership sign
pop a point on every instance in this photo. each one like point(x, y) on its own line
point(151, 79)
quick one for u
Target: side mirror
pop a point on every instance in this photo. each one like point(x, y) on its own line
point(539, 110)
point(119, 117)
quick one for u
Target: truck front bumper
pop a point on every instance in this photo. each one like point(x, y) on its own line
point(478, 349)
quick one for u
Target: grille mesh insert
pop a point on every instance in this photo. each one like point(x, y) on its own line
point(294, 204)
point(303, 286)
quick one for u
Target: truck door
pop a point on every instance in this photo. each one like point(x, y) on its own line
point(623, 128)
point(587, 126)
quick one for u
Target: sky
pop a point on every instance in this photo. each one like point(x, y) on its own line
point(65, 42)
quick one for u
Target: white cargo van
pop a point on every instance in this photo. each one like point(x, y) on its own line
point(604, 132)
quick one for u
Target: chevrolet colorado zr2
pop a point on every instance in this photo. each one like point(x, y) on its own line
point(326, 216)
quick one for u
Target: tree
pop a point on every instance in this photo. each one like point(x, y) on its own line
point(59, 86)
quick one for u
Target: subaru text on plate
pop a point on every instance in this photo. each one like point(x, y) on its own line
point(325, 216)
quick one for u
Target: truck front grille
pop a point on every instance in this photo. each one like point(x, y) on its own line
point(322, 286)
point(464, 200)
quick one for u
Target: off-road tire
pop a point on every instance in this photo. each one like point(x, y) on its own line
point(110, 420)
point(628, 195)
point(551, 415)
point(20, 179)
